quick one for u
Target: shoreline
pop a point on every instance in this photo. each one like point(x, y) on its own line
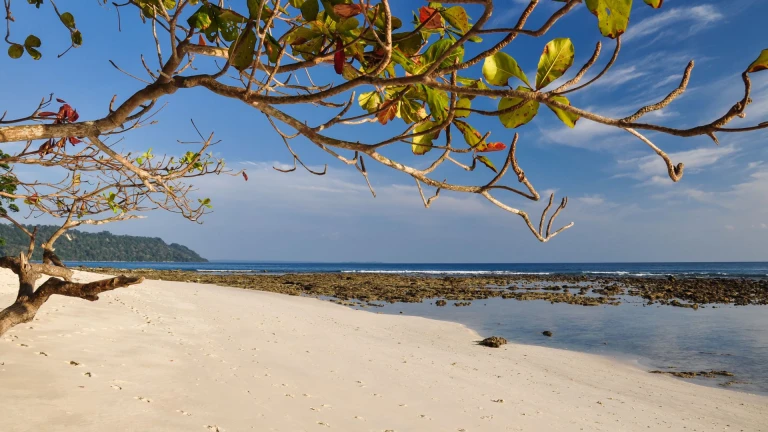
point(197, 356)
point(370, 289)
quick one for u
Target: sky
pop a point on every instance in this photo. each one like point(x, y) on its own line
point(624, 206)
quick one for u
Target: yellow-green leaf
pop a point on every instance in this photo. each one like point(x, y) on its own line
point(15, 51)
point(500, 67)
point(471, 135)
point(760, 64)
point(462, 108)
point(423, 143)
point(369, 101)
point(654, 3)
point(487, 162)
point(554, 61)
point(457, 17)
point(612, 15)
point(68, 19)
point(566, 117)
point(521, 115)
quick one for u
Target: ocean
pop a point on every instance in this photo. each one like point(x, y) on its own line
point(732, 338)
point(722, 269)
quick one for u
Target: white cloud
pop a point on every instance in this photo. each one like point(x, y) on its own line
point(652, 169)
point(730, 227)
point(753, 165)
point(672, 22)
point(620, 76)
point(592, 200)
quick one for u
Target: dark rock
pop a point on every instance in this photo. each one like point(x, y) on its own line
point(704, 374)
point(493, 341)
point(547, 333)
point(441, 303)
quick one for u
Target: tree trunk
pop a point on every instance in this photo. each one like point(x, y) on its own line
point(29, 300)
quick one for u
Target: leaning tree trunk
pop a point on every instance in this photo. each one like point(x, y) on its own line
point(29, 300)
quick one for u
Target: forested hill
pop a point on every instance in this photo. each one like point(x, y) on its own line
point(103, 246)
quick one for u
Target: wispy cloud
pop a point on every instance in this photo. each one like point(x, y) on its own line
point(679, 22)
point(652, 170)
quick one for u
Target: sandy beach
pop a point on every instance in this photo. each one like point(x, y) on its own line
point(173, 356)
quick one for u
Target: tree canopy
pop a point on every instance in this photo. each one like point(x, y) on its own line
point(419, 76)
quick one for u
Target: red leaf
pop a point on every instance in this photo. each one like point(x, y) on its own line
point(492, 147)
point(60, 101)
point(245, 176)
point(73, 116)
point(73, 140)
point(387, 113)
point(46, 114)
point(430, 18)
point(338, 57)
point(201, 41)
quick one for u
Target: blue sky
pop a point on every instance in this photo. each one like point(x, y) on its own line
point(624, 206)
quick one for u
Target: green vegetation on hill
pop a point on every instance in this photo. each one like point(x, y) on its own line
point(102, 246)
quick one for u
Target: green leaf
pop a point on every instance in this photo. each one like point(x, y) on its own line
point(347, 24)
point(423, 143)
point(77, 38)
point(465, 104)
point(654, 3)
point(521, 115)
point(241, 52)
point(554, 61)
point(566, 117)
point(612, 16)
point(457, 17)
point(369, 101)
point(474, 84)
point(309, 10)
point(500, 67)
point(472, 137)
point(407, 64)
point(228, 23)
point(437, 100)
point(328, 8)
point(760, 64)
point(15, 51)
point(438, 49)
point(201, 19)
point(68, 19)
point(487, 162)
point(410, 111)
point(409, 43)
point(30, 43)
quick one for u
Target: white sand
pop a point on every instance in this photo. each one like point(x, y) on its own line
point(169, 356)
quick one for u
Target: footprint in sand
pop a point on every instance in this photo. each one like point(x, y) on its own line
point(42, 354)
point(143, 399)
point(323, 424)
point(116, 387)
point(184, 413)
point(88, 374)
point(213, 428)
point(74, 363)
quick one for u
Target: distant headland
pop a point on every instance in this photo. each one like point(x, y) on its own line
point(102, 246)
